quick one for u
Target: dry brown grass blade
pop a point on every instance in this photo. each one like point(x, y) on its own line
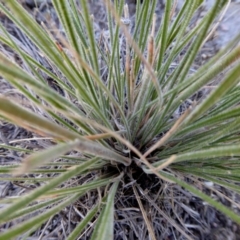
point(173, 11)
point(170, 220)
point(151, 43)
point(144, 214)
point(167, 163)
point(134, 45)
point(174, 128)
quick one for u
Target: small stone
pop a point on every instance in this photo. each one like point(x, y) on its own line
point(209, 184)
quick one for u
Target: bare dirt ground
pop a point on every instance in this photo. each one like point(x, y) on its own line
point(201, 220)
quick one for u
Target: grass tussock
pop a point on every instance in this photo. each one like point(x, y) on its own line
point(131, 146)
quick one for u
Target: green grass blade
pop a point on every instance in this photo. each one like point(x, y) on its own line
point(83, 188)
point(222, 151)
point(80, 227)
point(183, 68)
point(37, 221)
point(16, 113)
point(228, 212)
point(42, 157)
point(34, 208)
point(213, 119)
point(226, 85)
point(64, 13)
point(9, 110)
point(206, 73)
point(25, 200)
point(164, 33)
point(92, 41)
point(104, 227)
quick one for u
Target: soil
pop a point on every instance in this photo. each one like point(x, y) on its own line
point(201, 220)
